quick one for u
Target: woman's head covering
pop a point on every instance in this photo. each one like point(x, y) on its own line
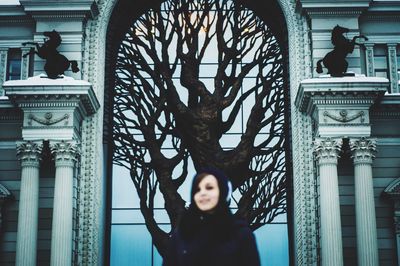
point(224, 185)
point(219, 222)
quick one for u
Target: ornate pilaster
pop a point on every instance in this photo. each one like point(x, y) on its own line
point(65, 154)
point(363, 151)
point(3, 68)
point(393, 76)
point(25, 63)
point(327, 153)
point(369, 50)
point(29, 154)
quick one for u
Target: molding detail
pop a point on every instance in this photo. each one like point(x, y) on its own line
point(393, 190)
point(323, 98)
point(29, 153)
point(327, 150)
point(66, 153)
point(363, 150)
point(344, 118)
point(369, 54)
point(47, 119)
point(5, 195)
point(3, 63)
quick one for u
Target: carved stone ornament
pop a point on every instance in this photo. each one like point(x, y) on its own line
point(327, 150)
point(48, 119)
point(344, 116)
point(29, 153)
point(4, 196)
point(363, 150)
point(66, 153)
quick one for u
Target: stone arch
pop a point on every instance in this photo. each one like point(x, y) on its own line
point(304, 206)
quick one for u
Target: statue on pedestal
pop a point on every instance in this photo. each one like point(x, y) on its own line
point(56, 63)
point(335, 61)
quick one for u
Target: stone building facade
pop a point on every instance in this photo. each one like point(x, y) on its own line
point(345, 135)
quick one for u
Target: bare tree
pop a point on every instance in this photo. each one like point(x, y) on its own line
point(162, 100)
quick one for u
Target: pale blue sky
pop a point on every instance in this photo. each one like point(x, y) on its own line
point(9, 2)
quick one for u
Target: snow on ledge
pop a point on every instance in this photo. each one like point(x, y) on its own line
point(42, 80)
point(346, 79)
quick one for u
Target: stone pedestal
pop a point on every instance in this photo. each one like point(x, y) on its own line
point(367, 247)
point(29, 154)
point(327, 152)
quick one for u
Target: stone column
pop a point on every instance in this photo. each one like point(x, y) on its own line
point(61, 235)
point(29, 155)
point(363, 152)
point(327, 153)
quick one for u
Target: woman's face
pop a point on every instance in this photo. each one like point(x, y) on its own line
point(207, 194)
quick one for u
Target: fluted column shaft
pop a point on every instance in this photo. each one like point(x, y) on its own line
point(327, 152)
point(61, 234)
point(29, 155)
point(367, 249)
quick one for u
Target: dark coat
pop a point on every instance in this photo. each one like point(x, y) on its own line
point(211, 245)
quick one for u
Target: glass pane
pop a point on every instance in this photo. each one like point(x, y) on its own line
point(273, 244)
point(14, 64)
point(123, 191)
point(130, 245)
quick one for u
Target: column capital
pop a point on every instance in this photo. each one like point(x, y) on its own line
point(65, 152)
point(327, 150)
point(29, 152)
point(363, 150)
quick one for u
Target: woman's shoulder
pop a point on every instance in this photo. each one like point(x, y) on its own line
point(242, 227)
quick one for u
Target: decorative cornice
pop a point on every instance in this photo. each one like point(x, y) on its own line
point(363, 150)
point(43, 92)
point(339, 91)
point(16, 20)
point(334, 8)
point(327, 150)
point(10, 114)
point(61, 9)
point(389, 106)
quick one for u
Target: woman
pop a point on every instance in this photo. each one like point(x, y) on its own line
point(209, 235)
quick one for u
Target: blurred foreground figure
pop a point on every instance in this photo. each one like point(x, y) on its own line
point(208, 233)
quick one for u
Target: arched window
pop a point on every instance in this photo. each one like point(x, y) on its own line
point(198, 83)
